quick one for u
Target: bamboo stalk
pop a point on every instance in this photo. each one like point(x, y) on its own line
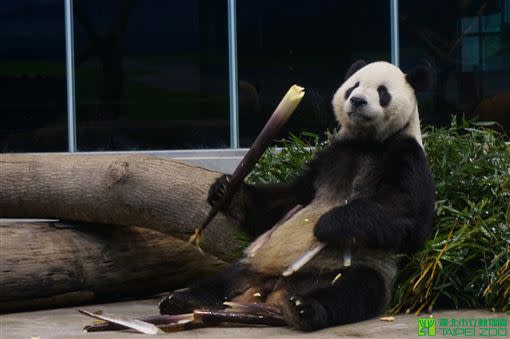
point(279, 117)
point(213, 317)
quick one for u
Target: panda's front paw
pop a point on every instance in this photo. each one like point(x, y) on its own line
point(329, 230)
point(305, 313)
point(332, 228)
point(218, 189)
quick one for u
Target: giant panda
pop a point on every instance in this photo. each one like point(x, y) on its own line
point(370, 191)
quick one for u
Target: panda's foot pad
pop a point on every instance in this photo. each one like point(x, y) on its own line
point(306, 313)
point(301, 307)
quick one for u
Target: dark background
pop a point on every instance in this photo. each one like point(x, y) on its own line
point(154, 74)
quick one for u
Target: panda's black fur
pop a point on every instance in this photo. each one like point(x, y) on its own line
point(391, 212)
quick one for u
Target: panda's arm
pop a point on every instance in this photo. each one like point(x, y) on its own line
point(266, 204)
point(398, 216)
point(257, 207)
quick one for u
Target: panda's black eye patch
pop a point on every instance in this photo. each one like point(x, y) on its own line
point(349, 91)
point(384, 96)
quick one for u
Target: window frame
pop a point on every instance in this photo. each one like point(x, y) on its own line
point(224, 159)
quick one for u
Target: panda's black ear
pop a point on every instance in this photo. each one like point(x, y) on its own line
point(356, 66)
point(420, 78)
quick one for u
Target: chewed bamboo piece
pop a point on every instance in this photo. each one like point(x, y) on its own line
point(270, 131)
point(304, 259)
point(241, 313)
point(234, 314)
point(310, 254)
point(255, 245)
point(134, 324)
point(165, 322)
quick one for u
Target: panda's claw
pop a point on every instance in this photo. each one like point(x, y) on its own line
point(305, 313)
point(302, 308)
point(217, 189)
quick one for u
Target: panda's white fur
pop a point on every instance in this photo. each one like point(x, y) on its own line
point(384, 121)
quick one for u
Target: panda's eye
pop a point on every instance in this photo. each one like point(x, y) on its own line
point(384, 96)
point(349, 91)
point(382, 89)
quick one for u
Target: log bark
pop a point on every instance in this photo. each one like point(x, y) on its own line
point(50, 264)
point(131, 190)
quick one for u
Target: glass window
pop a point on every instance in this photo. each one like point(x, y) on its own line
point(151, 74)
point(467, 45)
point(32, 76)
point(310, 43)
point(470, 53)
point(492, 22)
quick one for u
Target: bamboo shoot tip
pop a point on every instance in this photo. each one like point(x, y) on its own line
point(297, 91)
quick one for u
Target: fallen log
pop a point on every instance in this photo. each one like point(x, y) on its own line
point(131, 190)
point(52, 264)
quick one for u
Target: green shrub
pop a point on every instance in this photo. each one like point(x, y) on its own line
point(466, 262)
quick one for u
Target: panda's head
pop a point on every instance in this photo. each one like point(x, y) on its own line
point(377, 100)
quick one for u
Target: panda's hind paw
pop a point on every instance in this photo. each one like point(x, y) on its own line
point(305, 313)
point(180, 301)
point(301, 308)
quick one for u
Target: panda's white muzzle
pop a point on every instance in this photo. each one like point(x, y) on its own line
point(358, 109)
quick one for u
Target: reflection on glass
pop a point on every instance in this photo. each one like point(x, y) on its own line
point(308, 43)
point(470, 53)
point(468, 48)
point(151, 74)
point(32, 76)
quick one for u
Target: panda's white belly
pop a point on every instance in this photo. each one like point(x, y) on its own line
point(290, 240)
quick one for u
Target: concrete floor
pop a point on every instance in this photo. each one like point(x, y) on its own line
point(68, 323)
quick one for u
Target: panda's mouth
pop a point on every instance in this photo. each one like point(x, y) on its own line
point(360, 116)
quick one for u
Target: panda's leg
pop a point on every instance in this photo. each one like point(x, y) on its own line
point(210, 293)
point(357, 295)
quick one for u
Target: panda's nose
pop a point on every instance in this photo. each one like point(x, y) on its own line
point(358, 102)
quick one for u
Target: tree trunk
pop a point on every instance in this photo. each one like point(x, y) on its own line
point(130, 190)
point(50, 264)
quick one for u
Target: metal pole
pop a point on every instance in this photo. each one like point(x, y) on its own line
point(71, 107)
point(395, 57)
point(232, 66)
